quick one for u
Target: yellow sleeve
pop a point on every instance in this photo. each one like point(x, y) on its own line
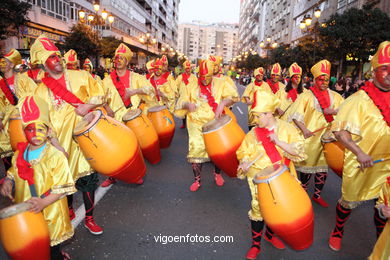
point(12, 172)
point(144, 84)
point(384, 195)
point(3, 105)
point(247, 92)
point(298, 109)
point(96, 93)
point(61, 175)
point(184, 97)
point(247, 151)
point(297, 141)
point(26, 86)
point(230, 92)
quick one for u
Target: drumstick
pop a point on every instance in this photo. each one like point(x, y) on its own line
point(319, 129)
point(385, 198)
point(378, 161)
point(255, 160)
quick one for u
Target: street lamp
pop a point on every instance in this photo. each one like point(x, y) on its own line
point(268, 45)
point(305, 27)
point(147, 39)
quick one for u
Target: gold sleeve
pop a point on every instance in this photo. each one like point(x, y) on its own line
point(298, 109)
point(230, 92)
point(184, 97)
point(95, 91)
point(247, 93)
point(62, 177)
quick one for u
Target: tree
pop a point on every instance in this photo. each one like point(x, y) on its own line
point(109, 45)
point(83, 40)
point(13, 14)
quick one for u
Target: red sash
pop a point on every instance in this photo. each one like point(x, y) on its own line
point(206, 91)
point(258, 83)
point(120, 85)
point(274, 86)
point(58, 87)
point(185, 78)
point(158, 82)
point(293, 94)
point(166, 75)
point(324, 101)
point(379, 99)
point(12, 98)
point(33, 73)
point(25, 171)
point(262, 135)
point(148, 75)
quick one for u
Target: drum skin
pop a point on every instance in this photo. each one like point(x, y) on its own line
point(25, 236)
point(15, 131)
point(222, 144)
point(164, 125)
point(230, 113)
point(334, 155)
point(111, 148)
point(287, 210)
point(146, 135)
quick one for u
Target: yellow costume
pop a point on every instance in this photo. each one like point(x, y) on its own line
point(51, 173)
point(87, 62)
point(251, 147)
point(21, 86)
point(203, 113)
point(276, 86)
point(191, 78)
point(382, 246)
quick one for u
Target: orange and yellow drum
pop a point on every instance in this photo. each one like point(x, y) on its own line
point(163, 123)
point(230, 113)
point(333, 152)
point(110, 147)
point(285, 206)
point(146, 134)
point(15, 131)
point(142, 106)
point(222, 137)
point(24, 234)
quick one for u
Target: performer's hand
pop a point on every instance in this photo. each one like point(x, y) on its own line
point(37, 204)
point(131, 92)
point(191, 107)
point(219, 110)
point(243, 167)
point(274, 138)
point(6, 189)
point(330, 111)
point(83, 109)
point(386, 211)
point(248, 101)
point(365, 160)
point(307, 133)
point(110, 113)
point(279, 111)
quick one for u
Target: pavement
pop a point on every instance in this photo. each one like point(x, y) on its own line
point(139, 221)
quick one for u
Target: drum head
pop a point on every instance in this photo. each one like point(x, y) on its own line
point(131, 114)
point(156, 109)
point(87, 122)
point(328, 137)
point(14, 210)
point(216, 124)
point(270, 172)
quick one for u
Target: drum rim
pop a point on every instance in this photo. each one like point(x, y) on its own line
point(15, 118)
point(216, 129)
point(282, 169)
point(92, 126)
point(13, 210)
point(155, 107)
point(328, 140)
point(137, 114)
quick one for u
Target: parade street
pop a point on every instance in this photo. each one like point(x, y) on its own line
point(137, 220)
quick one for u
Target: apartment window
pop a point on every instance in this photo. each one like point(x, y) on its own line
point(341, 3)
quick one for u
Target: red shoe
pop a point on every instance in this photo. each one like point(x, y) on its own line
point(65, 255)
point(218, 179)
point(334, 243)
point(92, 226)
point(276, 242)
point(109, 181)
point(195, 186)
point(182, 126)
point(320, 201)
point(72, 215)
point(252, 253)
point(140, 182)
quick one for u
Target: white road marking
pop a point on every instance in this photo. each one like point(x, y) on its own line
point(239, 110)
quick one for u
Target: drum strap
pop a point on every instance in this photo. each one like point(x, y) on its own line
point(120, 86)
point(324, 101)
point(262, 135)
point(379, 99)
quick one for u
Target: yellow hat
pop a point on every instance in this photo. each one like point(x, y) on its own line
point(294, 69)
point(382, 56)
point(321, 68)
point(164, 60)
point(41, 49)
point(34, 110)
point(124, 51)
point(276, 69)
point(157, 64)
point(258, 71)
point(187, 64)
point(71, 57)
point(88, 62)
point(216, 59)
point(149, 65)
point(14, 57)
point(206, 68)
point(264, 101)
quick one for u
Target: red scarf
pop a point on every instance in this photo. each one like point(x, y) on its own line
point(166, 75)
point(158, 82)
point(4, 85)
point(274, 86)
point(293, 94)
point(258, 83)
point(262, 135)
point(206, 91)
point(379, 99)
point(33, 73)
point(148, 75)
point(58, 87)
point(324, 101)
point(25, 171)
point(185, 78)
point(120, 85)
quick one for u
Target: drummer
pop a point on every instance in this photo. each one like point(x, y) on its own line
point(150, 69)
point(366, 134)
point(71, 60)
point(66, 109)
point(202, 102)
point(41, 174)
point(271, 141)
point(274, 81)
point(247, 96)
point(312, 111)
point(88, 66)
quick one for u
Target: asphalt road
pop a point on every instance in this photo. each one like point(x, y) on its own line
point(134, 217)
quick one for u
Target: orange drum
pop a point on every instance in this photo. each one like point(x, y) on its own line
point(146, 134)
point(110, 147)
point(222, 137)
point(164, 124)
point(230, 113)
point(285, 206)
point(24, 234)
point(15, 131)
point(333, 152)
point(142, 106)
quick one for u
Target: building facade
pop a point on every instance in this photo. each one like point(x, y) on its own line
point(198, 40)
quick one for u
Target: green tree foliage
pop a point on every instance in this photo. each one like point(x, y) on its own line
point(109, 45)
point(13, 14)
point(83, 40)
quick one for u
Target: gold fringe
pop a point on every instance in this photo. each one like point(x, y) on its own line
point(83, 174)
point(197, 160)
point(67, 188)
point(6, 154)
point(254, 218)
point(312, 169)
point(349, 204)
point(347, 126)
point(63, 238)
